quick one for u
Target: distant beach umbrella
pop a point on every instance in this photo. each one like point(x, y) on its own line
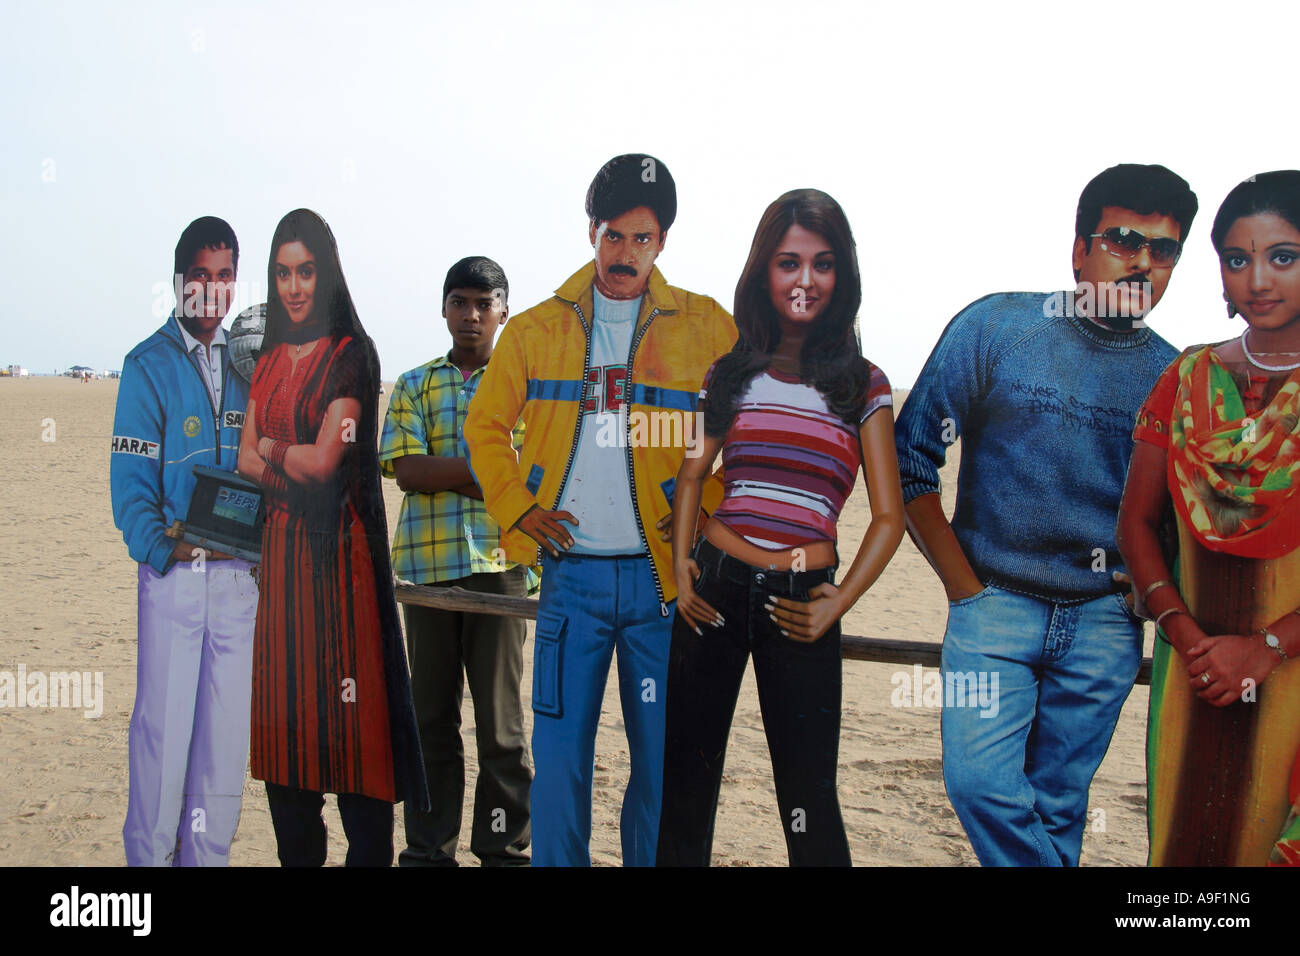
point(245, 339)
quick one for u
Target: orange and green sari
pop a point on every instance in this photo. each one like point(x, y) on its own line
point(1233, 476)
point(1224, 783)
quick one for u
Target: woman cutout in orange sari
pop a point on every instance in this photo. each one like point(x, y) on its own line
point(1219, 438)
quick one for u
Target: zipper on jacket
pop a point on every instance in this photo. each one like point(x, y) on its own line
point(216, 412)
point(577, 431)
point(221, 408)
point(631, 472)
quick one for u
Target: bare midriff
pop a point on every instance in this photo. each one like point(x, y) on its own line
point(809, 557)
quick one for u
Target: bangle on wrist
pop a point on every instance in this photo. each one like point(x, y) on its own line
point(277, 452)
point(1162, 583)
point(1166, 613)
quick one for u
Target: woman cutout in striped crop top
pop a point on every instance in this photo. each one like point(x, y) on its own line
point(791, 410)
point(789, 462)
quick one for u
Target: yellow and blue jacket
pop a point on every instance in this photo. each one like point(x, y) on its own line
point(538, 370)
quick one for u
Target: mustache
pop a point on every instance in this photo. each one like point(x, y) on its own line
point(621, 270)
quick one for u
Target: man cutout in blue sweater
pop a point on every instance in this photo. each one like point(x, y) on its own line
point(1043, 390)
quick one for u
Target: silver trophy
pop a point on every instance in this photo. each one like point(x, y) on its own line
point(245, 339)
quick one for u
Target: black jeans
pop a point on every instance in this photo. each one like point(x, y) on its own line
point(799, 689)
point(300, 837)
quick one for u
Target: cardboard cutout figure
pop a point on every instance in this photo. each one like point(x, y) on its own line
point(331, 697)
point(589, 493)
point(1218, 438)
point(793, 409)
point(1043, 390)
point(180, 405)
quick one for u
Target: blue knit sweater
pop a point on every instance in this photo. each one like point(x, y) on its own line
point(1044, 404)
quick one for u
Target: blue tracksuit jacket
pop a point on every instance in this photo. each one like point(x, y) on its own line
point(165, 425)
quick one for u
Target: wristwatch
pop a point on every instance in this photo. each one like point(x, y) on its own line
point(1273, 642)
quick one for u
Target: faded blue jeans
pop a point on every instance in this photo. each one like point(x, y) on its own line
point(1032, 691)
point(589, 607)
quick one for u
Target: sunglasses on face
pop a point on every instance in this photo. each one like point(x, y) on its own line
point(1125, 243)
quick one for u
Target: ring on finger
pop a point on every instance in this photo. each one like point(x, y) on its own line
point(1205, 677)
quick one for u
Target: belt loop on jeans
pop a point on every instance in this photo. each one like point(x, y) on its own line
point(718, 558)
point(715, 558)
point(697, 550)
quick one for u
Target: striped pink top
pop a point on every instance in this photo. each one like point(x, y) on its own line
point(789, 462)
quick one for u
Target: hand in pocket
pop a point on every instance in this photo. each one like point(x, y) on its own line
point(693, 609)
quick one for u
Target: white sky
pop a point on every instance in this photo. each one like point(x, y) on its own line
point(956, 138)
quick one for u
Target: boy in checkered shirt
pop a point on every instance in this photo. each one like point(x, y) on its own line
point(445, 537)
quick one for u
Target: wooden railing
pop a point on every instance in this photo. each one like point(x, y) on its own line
point(853, 647)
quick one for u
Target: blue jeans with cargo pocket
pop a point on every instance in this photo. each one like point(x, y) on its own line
point(1017, 764)
point(589, 606)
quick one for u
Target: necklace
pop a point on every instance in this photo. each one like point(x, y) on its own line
point(1260, 365)
point(301, 335)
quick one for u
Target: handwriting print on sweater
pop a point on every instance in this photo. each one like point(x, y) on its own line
point(1038, 399)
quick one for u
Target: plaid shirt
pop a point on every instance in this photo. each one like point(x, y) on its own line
point(444, 535)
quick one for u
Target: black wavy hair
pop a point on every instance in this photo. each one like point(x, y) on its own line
point(1277, 192)
point(629, 181)
point(206, 232)
point(830, 360)
point(1146, 190)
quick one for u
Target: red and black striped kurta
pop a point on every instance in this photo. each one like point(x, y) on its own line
point(320, 699)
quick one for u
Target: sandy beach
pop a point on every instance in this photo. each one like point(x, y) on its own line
point(68, 593)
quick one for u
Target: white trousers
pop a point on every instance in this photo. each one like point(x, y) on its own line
point(189, 729)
